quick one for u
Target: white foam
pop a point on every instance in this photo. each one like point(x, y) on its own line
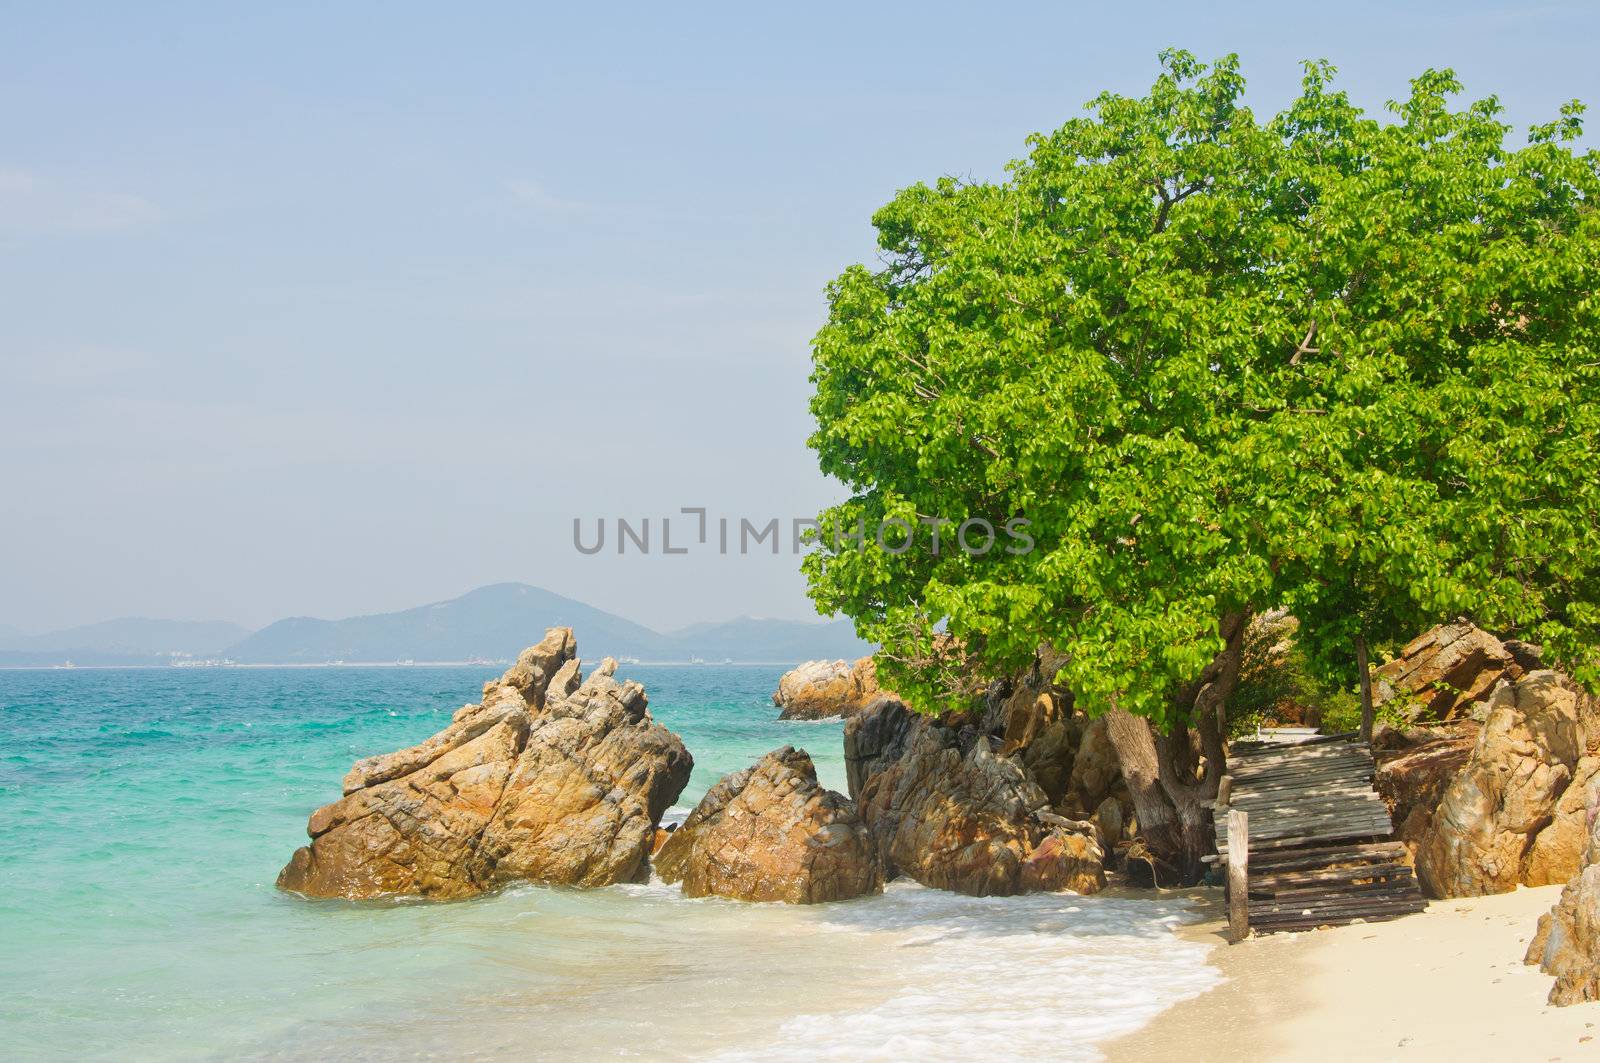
point(1047, 976)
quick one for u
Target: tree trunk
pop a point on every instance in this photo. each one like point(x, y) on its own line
point(1366, 688)
point(1171, 792)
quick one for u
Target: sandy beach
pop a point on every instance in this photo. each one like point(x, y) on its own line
point(1448, 984)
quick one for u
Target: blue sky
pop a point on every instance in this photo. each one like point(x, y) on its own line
point(321, 312)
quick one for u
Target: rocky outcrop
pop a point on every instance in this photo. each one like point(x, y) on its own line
point(1416, 770)
point(1567, 941)
point(1506, 817)
point(551, 778)
point(772, 833)
point(962, 818)
point(820, 690)
point(1096, 771)
point(874, 739)
point(1069, 755)
point(1443, 671)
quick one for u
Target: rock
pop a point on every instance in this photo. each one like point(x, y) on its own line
point(537, 665)
point(1567, 941)
point(1096, 770)
point(820, 690)
point(969, 821)
point(1528, 657)
point(772, 833)
point(1109, 820)
point(874, 739)
point(1413, 778)
point(1559, 848)
point(1481, 835)
point(1051, 756)
point(1444, 670)
point(587, 792)
point(549, 779)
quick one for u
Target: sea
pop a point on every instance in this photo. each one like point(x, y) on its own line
point(145, 813)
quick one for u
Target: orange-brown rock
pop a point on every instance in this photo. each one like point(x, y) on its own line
point(772, 833)
point(1505, 818)
point(820, 690)
point(1444, 670)
point(967, 820)
point(1412, 780)
point(1566, 942)
point(551, 778)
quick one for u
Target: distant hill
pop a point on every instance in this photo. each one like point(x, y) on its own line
point(493, 622)
point(750, 639)
point(129, 640)
point(498, 621)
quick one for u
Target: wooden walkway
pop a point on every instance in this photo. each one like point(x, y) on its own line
point(1319, 846)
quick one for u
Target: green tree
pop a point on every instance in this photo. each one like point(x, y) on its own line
point(1325, 362)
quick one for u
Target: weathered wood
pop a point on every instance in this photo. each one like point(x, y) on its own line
point(1278, 884)
point(1374, 850)
point(1239, 875)
point(1312, 840)
point(1224, 791)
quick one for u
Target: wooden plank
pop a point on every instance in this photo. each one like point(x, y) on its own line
point(1239, 875)
point(1287, 881)
point(1310, 842)
point(1314, 820)
point(1331, 836)
point(1294, 833)
point(1301, 859)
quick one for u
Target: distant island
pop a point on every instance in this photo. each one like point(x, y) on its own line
point(491, 623)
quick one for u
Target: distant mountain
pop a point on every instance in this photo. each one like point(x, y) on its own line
point(750, 639)
point(494, 622)
point(130, 640)
point(497, 622)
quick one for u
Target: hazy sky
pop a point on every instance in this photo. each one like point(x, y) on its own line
point(351, 307)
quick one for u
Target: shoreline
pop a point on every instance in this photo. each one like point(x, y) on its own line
point(366, 664)
point(1446, 984)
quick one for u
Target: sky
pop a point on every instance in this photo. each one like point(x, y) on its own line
point(336, 309)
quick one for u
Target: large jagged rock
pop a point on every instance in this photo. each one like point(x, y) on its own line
point(965, 819)
point(1069, 755)
point(1414, 773)
point(551, 778)
point(820, 690)
point(1559, 848)
point(1504, 819)
point(772, 833)
point(1567, 941)
point(1442, 671)
point(874, 739)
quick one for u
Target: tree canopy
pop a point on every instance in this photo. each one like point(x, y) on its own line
point(1340, 364)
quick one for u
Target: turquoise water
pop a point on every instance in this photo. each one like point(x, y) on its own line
point(146, 814)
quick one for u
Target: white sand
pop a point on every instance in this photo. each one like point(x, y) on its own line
point(1448, 984)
